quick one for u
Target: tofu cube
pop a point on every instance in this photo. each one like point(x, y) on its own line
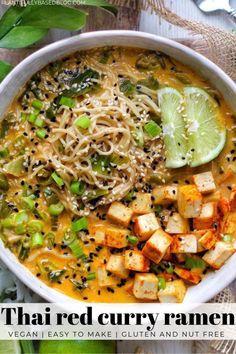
point(104, 279)
point(128, 287)
point(165, 195)
point(229, 224)
point(177, 224)
point(142, 203)
point(208, 239)
point(187, 275)
point(173, 293)
point(207, 217)
point(186, 243)
point(145, 286)
point(232, 200)
point(116, 265)
point(145, 225)
point(119, 213)
point(217, 256)
point(157, 245)
point(205, 182)
point(189, 201)
point(136, 261)
point(109, 236)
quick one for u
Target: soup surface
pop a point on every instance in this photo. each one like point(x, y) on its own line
point(117, 176)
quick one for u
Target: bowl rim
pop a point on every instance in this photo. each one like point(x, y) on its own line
point(6, 256)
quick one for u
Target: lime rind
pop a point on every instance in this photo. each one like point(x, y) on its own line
point(171, 103)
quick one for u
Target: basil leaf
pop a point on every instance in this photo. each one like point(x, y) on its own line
point(103, 4)
point(56, 16)
point(22, 36)
point(10, 18)
point(5, 68)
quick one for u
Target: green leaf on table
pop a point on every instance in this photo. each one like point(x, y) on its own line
point(56, 16)
point(10, 18)
point(22, 36)
point(5, 68)
point(101, 3)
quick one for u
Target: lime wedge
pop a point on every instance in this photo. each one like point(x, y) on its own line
point(171, 103)
point(10, 346)
point(205, 126)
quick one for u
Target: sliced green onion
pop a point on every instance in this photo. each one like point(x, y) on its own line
point(194, 263)
point(91, 276)
point(69, 237)
point(227, 238)
point(34, 226)
point(101, 163)
point(21, 217)
point(55, 275)
point(96, 194)
point(80, 224)
point(119, 159)
point(66, 101)
point(41, 133)
point(37, 239)
point(152, 129)
point(20, 229)
point(32, 117)
point(161, 283)
point(50, 239)
point(76, 249)
point(78, 187)
point(50, 114)
point(82, 122)
point(37, 104)
point(9, 222)
point(39, 122)
point(133, 240)
point(56, 209)
point(24, 249)
point(23, 117)
point(4, 152)
point(15, 167)
point(29, 202)
point(59, 181)
point(138, 137)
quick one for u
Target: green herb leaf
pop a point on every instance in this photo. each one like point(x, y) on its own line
point(58, 16)
point(22, 36)
point(194, 263)
point(127, 87)
point(103, 4)
point(5, 68)
point(10, 18)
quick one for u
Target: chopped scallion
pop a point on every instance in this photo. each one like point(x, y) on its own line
point(59, 181)
point(194, 263)
point(83, 122)
point(91, 276)
point(37, 104)
point(77, 187)
point(39, 122)
point(41, 133)
point(80, 224)
point(32, 117)
point(20, 229)
point(37, 239)
point(34, 226)
point(4, 153)
point(152, 129)
point(66, 101)
point(76, 249)
point(56, 209)
point(161, 283)
point(133, 240)
point(21, 217)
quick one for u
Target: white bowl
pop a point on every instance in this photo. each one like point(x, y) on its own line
point(214, 282)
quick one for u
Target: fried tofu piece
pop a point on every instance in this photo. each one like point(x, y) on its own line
point(145, 225)
point(165, 195)
point(119, 213)
point(186, 243)
point(217, 256)
point(177, 224)
point(173, 293)
point(109, 236)
point(229, 224)
point(145, 286)
point(207, 217)
point(128, 287)
point(157, 245)
point(232, 201)
point(136, 261)
point(207, 239)
point(104, 279)
point(189, 201)
point(205, 182)
point(142, 204)
point(187, 275)
point(116, 265)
